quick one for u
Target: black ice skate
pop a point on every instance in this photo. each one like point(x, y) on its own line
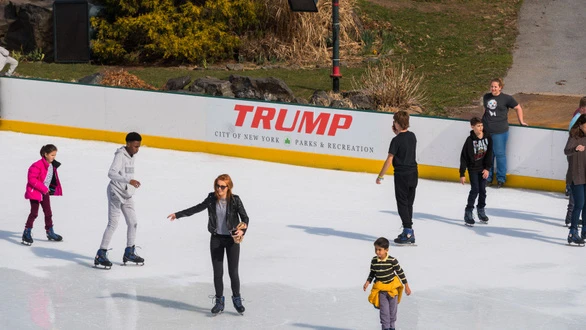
point(52, 236)
point(469, 218)
point(102, 259)
point(407, 237)
point(482, 218)
point(27, 237)
point(237, 301)
point(218, 305)
point(574, 238)
point(129, 255)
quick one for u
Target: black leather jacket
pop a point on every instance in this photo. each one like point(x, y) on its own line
point(233, 211)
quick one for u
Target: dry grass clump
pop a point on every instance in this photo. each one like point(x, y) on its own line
point(122, 78)
point(392, 86)
point(302, 37)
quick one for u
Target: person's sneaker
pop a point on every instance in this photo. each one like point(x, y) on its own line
point(130, 255)
point(237, 301)
point(482, 215)
point(52, 236)
point(102, 259)
point(406, 237)
point(218, 305)
point(469, 217)
point(27, 237)
point(500, 184)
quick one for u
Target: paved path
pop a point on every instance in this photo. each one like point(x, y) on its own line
point(550, 53)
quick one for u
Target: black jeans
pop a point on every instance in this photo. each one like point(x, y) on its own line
point(405, 185)
point(477, 189)
point(219, 243)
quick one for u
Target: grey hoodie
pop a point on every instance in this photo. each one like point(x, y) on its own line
point(121, 172)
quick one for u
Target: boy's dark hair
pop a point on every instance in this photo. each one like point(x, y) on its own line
point(47, 149)
point(133, 136)
point(402, 118)
point(583, 102)
point(382, 242)
point(475, 121)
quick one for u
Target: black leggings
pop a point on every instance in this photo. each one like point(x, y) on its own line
point(219, 243)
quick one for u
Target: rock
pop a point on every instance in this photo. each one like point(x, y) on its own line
point(273, 89)
point(235, 67)
point(320, 98)
point(300, 100)
point(213, 86)
point(29, 26)
point(93, 79)
point(361, 101)
point(175, 84)
point(343, 103)
point(243, 87)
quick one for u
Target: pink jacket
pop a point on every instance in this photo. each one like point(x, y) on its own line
point(35, 186)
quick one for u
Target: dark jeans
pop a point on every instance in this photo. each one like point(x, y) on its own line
point(219, 243)
point(477, 189)
point(579, 193)
point(405, 185)
point(46, 205)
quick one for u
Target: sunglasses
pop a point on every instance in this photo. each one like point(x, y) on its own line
point(221, 187)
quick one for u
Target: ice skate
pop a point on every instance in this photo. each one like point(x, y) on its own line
point(27, 237)
point(407, 237)
point(219, 305)
point(574, 238)
point(237, 301)
point(129, 255)
point(52, 236)
point(469, 218)
point(482, 218)
point(568, 218)
point(101, 259)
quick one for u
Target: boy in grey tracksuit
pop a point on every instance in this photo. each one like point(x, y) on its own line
point(120, 190)
point(6, 59)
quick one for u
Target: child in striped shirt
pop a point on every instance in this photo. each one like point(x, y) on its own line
point(389, 283)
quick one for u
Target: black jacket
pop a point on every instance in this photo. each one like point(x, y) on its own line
point(476, 154)
point(233, 211)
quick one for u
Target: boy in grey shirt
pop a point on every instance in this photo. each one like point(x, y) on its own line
point(120, 190)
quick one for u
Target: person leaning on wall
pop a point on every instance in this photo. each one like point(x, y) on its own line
point(6, 59)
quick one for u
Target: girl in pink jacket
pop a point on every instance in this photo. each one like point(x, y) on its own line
point(42, 182)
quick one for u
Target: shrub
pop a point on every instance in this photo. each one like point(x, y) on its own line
point(392, 86)
point(190, 31)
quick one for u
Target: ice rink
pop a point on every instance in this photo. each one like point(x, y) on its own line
point(303, 261)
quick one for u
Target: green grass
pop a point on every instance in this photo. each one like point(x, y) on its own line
point(458, 45)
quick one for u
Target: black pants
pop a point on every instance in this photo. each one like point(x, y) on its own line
point(477, 189)
point(219, 243)
point(405, 185)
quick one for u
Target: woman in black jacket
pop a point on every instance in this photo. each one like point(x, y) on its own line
point(225, 212)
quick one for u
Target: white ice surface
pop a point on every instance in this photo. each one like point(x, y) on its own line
point(303, 261)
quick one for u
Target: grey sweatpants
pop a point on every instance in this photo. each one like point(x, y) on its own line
point(116, 204)
point(388, 310)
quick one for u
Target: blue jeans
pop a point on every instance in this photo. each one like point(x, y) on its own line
point(499, 149)
point(579, 193)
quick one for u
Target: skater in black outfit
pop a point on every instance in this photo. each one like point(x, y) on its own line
point(476, 156)
point(402, 156)
point(225, 214)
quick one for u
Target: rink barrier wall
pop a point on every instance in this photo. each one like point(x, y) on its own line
point(117, 111)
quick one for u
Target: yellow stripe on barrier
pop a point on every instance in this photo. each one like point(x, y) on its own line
point(271, 155)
